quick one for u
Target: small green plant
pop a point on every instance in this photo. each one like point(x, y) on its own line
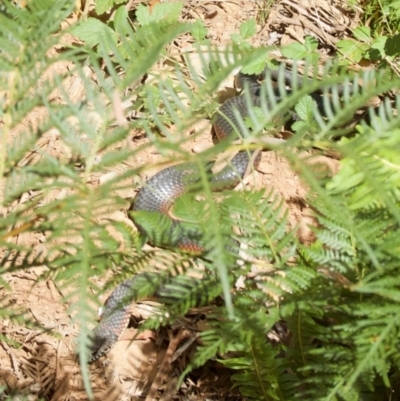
point(298, 51)
point(375, 48)
point(264, 8)
point(378, 39)
point(383, 16)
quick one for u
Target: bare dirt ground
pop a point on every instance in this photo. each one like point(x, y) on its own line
point(43, 364)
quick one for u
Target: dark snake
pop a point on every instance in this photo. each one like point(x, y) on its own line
point(160, 192)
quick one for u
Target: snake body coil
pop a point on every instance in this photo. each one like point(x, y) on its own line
point(159, 194)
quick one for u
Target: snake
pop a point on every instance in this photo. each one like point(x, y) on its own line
point(159, 194)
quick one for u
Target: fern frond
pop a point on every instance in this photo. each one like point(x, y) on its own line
point(263, 221)
point(343, 331)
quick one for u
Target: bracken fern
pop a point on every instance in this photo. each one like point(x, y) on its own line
point(333, 304)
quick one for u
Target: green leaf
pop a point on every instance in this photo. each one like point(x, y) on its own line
point(121, 21)
point(167, 12)
point(198, 30)
point(103, 5)
point(295, 51)
point(92, 31)
point(143, 15)
point(298, 51)
point(363, 34)
point(236, 38)
point(395, 8)
point(248, 28)
point(347, 178)
point(188, 209)
point(305, 110)
point(379, 43)
point(310, 43)
point(257, 65)
point(352, 49)
point(392, 47)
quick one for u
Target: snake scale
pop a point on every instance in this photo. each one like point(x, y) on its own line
point(160, 192)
